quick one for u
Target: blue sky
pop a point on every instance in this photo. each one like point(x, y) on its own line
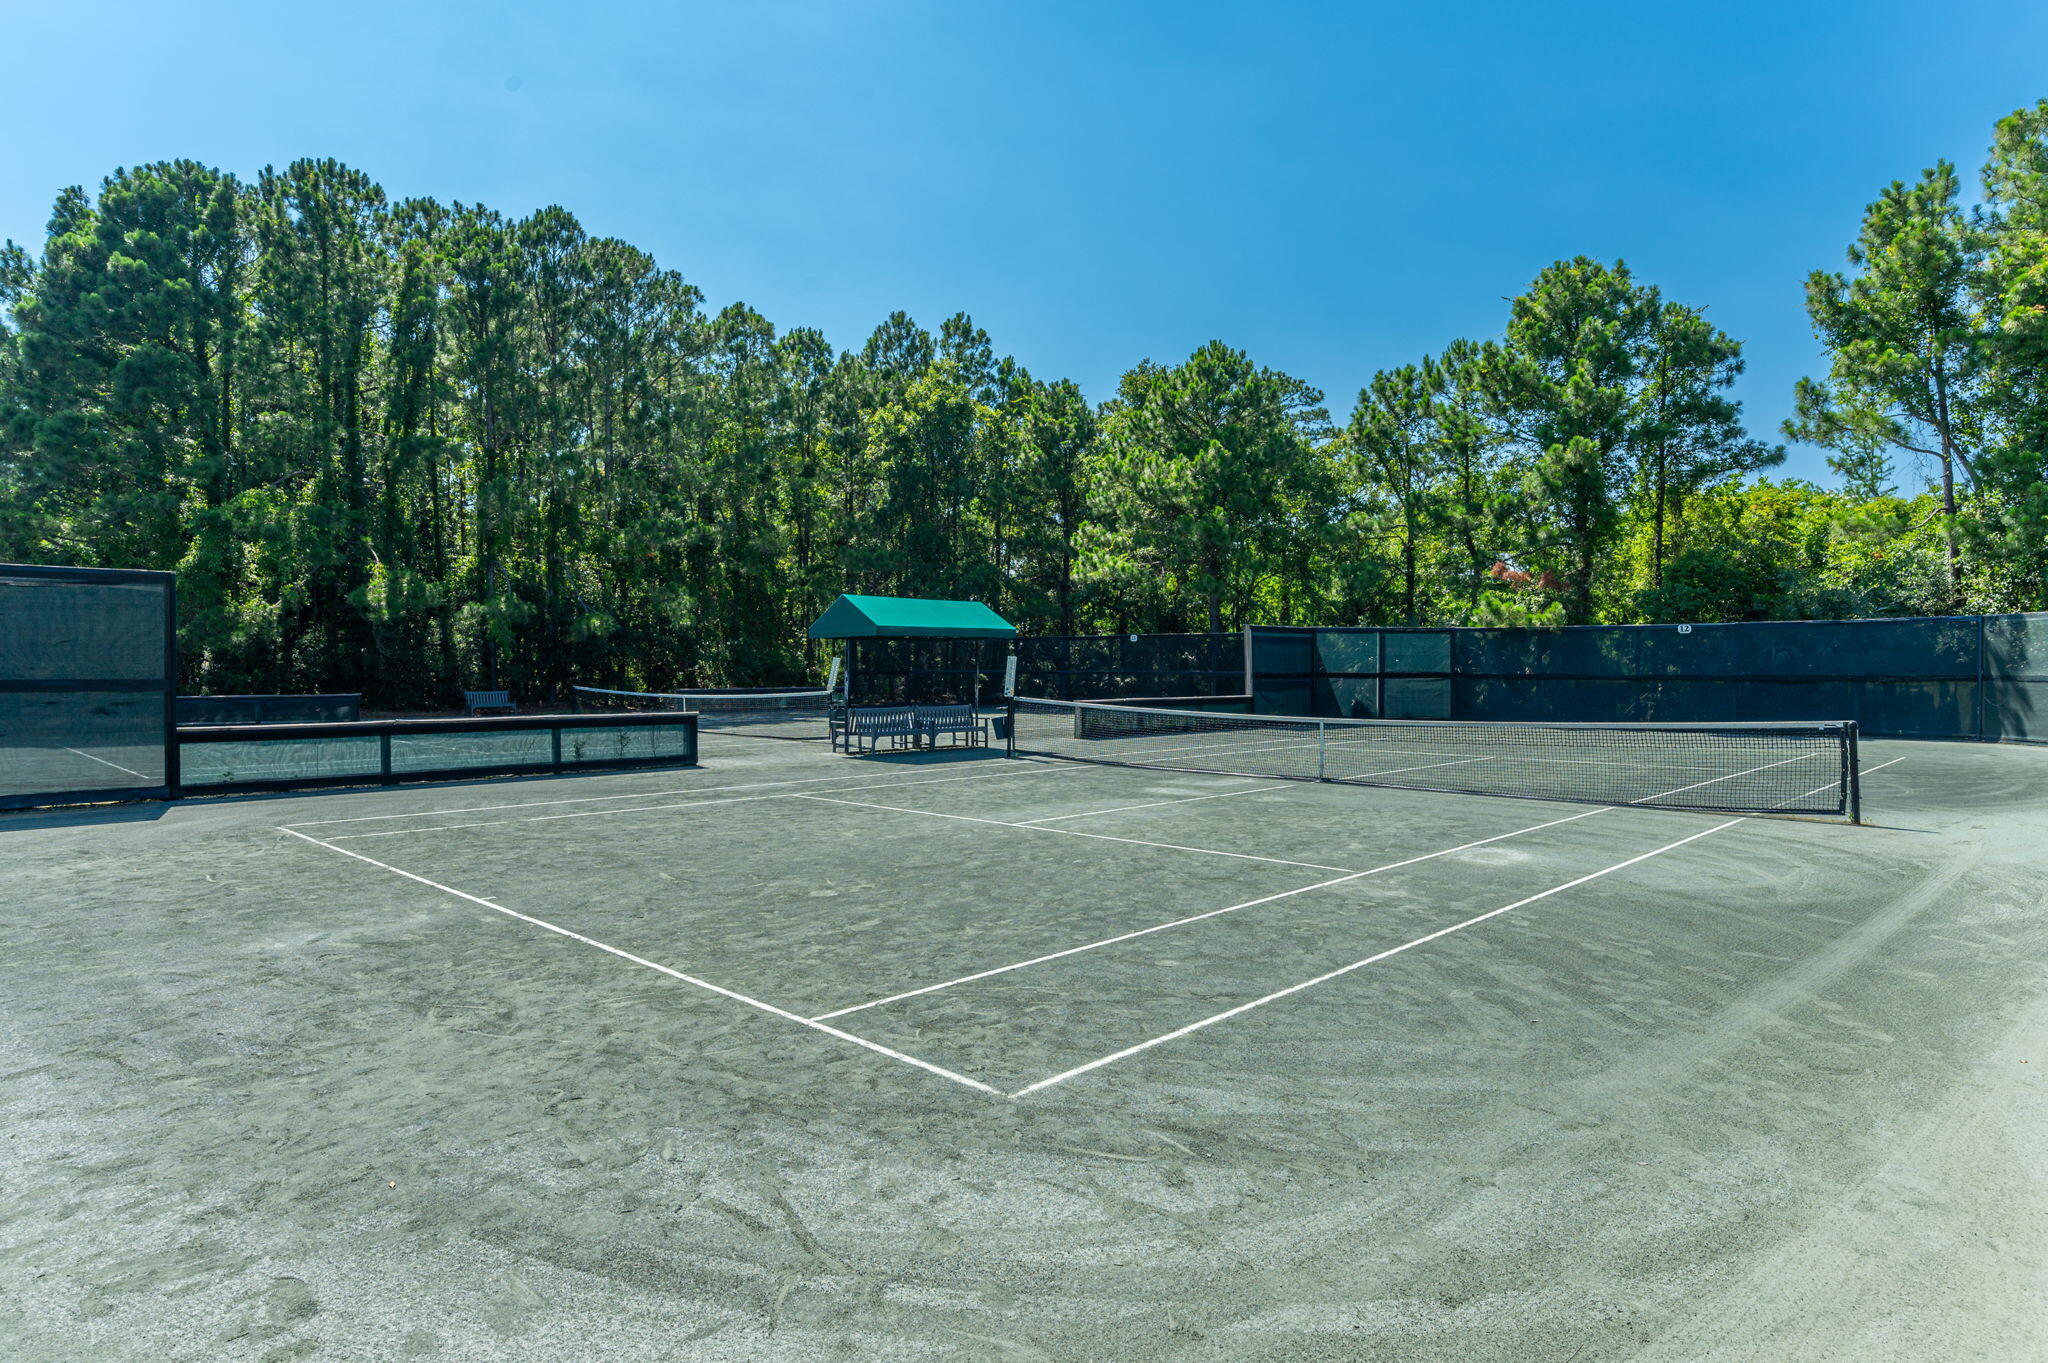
point(1336, 188)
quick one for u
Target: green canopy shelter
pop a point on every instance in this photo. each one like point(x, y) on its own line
point(858, 618)
point(909, 617)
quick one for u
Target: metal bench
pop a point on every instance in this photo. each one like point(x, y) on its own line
point(867, 726)
point(480, 701)
point(963, 723)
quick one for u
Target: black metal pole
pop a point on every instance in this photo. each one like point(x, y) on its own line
point(1854, 775)
point(173, 768)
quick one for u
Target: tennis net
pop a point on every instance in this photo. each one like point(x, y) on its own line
point(1723, 768)
point(802, 714)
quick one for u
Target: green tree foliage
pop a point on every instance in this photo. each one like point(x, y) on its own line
point(1900, 331)
point(1612, 402)
point(1209, 474)
point(408, 447)
point(2011, 290)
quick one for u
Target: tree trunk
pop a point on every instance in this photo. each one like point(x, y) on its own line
point(1948, 511)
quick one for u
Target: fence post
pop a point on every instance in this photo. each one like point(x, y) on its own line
point(1981, 682)
point(1854, 774)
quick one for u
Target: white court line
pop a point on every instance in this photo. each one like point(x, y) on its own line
point(1190, 799)
point(1860, 772)
point(672, 973)
point(1426, 766)
point(1278, 994)
point(1198, 917)
point(647, 809)
point(1065, 832)
point(105, 763)
point(636, 795)
point(1130, 754)
point(1803, 757)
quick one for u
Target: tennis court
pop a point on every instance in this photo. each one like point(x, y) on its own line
point(956, 1055)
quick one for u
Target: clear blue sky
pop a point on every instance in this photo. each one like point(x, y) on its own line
point(1334, 187)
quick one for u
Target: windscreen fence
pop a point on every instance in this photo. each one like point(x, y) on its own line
point(1063, 667)
point(245, 757)
point(88, 662)
point(1977, 677)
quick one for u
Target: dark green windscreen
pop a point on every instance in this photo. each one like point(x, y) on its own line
point(85, 679)
point(1950, 677)
point(1067, 667)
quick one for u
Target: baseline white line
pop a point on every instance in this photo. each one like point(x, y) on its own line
point(105, 763)
point(647, 809)
point(658, 968)
point(1198, 917)
point(1278, 994)
point(1066, 832)
point(644, 795)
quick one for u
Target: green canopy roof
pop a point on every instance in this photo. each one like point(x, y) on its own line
point(895, 617)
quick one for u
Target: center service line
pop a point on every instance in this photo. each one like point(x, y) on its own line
point(1179, 1032)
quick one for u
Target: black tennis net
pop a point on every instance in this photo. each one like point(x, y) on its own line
point(757, 714)
point(1723, 768)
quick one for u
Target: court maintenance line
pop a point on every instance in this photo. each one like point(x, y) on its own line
point(648, 809)
point(1198, 917)
point(115, 765)
point(1065, 832)
point(1279, 994)
point(658, 968)
point(1265, 783)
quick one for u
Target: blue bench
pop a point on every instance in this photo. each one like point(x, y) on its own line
point(864, 728)
point(867, 726)
point(962, 723)
point(480, 701)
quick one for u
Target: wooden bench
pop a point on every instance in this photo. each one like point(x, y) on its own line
point(963, 723)
point(869, 725)
point(480, 701)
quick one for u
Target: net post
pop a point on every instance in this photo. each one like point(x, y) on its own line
point(1321, 751)
point(1010, 724)
point(1852, 773)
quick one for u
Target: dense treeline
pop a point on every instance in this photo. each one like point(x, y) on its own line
point(409, 446)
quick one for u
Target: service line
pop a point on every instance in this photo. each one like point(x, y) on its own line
point(1212, 913)
point(1067, 832)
